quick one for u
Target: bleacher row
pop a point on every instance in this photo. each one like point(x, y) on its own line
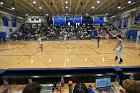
point(77, 75)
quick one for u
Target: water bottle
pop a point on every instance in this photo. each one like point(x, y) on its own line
point(131, 77)
point(117, 80)
point(62, 80)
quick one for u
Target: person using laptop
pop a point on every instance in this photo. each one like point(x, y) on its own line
point(90, 90)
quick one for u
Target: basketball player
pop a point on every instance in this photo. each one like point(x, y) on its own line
point(66, 37)
point(40, 43)
point(118, 49)
point(98, 40)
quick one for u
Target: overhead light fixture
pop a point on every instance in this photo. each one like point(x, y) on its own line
point(119, 6)
point(34, 2)
point(93, 7)
point(26, 14)
point(46, 14)
point(67, 7)
point(1, 3)
point(66, 2)
point(86, 14)
point(13, 6)
point(66, 14)
point(40, 7)
point(129, 1)
point(98, 1)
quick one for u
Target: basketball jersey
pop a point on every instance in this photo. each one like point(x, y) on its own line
point(121, 46)
point(39, 40)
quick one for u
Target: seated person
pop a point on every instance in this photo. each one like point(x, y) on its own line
point(32, 88)
point(90, 90)
point(80, 88)
point(131, 86)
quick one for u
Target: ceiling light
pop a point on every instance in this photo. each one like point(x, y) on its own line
point(119, 7)
point(66, 7)
point(98, 1)
point(93, 7)
point(13, 8)
point(129, 2)
point(26, 14)
point(40, 7)
point(66, 14)
point(34, 1)
point(46, 14)
point(1, 3)
point(66, 2)
point(86, 14)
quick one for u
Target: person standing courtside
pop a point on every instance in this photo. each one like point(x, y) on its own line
point(40, 43)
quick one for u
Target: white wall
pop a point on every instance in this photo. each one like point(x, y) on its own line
point(130, 15)
point(19, 22)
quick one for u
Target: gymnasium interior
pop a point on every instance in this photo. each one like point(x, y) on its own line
point(69, 46)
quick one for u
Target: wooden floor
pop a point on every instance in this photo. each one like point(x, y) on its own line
point(56, 54)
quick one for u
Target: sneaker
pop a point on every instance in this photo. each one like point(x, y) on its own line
point(116, 58)
point(120, 62)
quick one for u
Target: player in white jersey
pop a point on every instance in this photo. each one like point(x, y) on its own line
point(67, 37)
point(118, 49)
point(40, 43)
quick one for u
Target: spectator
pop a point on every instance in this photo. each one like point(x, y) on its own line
point(80, 88)
point(32, 88)
point(131, 86)
point(90, 90)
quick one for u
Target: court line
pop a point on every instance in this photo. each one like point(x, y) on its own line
point(33, 54)
point(15, 55)
point(101, 54)
point(92, 49)
point(90, 60)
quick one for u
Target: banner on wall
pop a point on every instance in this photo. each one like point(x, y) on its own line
point(5, 21)
point(14, 22)
point(87, 20)
point(125, 22)
point(59, 20)
point(73, 20)
point(98, 20)
point(119, 23)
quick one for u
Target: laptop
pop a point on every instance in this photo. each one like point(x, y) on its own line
point(103, 85)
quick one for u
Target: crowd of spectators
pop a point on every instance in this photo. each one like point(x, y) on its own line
point(52, 32)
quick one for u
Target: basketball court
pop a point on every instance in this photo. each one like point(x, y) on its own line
point(78, 53)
